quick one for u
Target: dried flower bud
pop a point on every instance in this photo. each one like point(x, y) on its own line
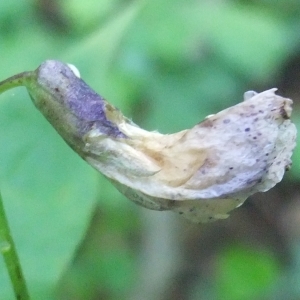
point(201, 173)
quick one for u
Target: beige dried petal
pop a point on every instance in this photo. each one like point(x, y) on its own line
point(205, 172)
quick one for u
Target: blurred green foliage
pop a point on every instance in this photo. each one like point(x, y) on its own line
point(239, 280)
point(167, 64)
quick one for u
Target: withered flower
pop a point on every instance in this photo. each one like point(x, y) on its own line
point(202, 173)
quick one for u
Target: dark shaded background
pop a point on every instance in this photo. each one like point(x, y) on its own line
point(167, 64)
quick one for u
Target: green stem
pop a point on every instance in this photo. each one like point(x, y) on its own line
point(7, 246)
point(16, 80)
point(8, 250)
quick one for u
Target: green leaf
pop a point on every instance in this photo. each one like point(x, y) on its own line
point(96, 53)
point(245, 273)
point(49, 192)
point(247, 39)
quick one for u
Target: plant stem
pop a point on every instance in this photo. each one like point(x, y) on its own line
point(8, 250)
point(16, 80)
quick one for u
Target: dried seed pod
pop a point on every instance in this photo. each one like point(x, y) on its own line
point(201, 173)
